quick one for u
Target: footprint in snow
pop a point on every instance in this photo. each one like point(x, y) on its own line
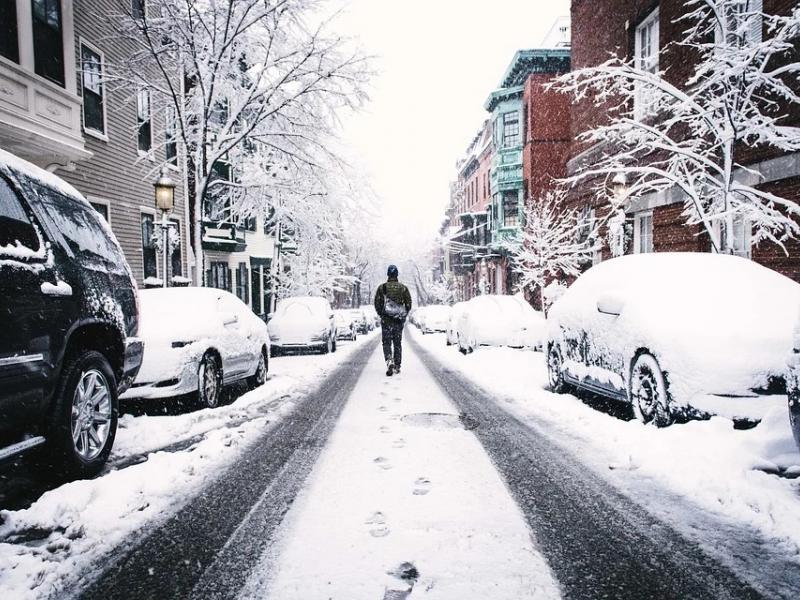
point(383, 463)
point(422, 486)
point(382, 408)
point(398, 399)
point(384, 429)
point(378, 522)
point(399, 443)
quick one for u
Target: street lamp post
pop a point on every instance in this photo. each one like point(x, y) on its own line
point(165, 200)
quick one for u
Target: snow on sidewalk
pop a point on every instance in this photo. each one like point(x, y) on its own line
point(398, 492)
point(45, 548)
point(714, 466)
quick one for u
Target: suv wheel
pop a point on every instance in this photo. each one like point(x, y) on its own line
point(647, 392)
point(209, 381)
point(555, 371)
point(85, 418)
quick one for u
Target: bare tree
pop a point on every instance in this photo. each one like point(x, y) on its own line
point(555, 244)
point(236, 73)
point(686, 139)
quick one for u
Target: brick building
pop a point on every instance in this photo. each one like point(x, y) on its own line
point(644, 30)
point(518, 154)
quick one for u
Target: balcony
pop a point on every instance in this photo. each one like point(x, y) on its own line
point(221, 236)
point(39, 121)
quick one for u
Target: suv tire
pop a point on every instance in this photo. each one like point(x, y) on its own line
point(85, 417)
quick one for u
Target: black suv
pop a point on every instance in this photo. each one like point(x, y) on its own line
point(68, 321)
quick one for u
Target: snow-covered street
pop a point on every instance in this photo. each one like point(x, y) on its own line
point(461, 477)
point(404, 499)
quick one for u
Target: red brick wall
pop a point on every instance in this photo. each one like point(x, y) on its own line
point(784, 260)
point(602, 27)
point(547, 135)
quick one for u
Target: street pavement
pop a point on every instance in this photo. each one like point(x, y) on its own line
point(414, 486)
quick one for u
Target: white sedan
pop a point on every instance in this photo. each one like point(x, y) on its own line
point(198, 340)
point(452, 323)
point(499, 320)
point(303, 323)
point(434, 318)
point(676, 333)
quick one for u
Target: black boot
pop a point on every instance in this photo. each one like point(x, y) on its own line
point(389, 367)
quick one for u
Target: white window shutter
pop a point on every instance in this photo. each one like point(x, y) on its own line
point(756, 21)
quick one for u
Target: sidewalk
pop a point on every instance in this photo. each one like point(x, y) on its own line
point(402, 504)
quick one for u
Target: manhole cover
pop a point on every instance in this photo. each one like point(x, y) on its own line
point(440, 421)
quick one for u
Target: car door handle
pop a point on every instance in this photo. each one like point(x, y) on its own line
point(60, 288)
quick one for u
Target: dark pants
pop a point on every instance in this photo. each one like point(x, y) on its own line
point(392, 335)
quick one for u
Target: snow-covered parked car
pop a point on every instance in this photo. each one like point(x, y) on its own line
point(452, 323)
point(676, 334)
point(361, 320)
point(499, 320)
point(345, 326)
point(198, 340)
point(372, 314)
point(434, 318)
point(303, 323)
point(68, 322)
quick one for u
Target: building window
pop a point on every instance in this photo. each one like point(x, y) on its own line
point(9, 39)
point(511, 129)
point(175, 259)
point(219, 276)
point(102, 209)
point(144, 121)
point(744, 23)
point(643, 233)
point(170, 136)
point(48, 45)
point(138, 9)
point(510, 209)
point(93, 90)
point(242, 283)
point(647, 49)
point(149, 259)
point(742, 236)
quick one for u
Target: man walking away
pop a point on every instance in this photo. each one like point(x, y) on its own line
point(392, 303)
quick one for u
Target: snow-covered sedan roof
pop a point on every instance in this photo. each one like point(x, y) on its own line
point(315, 303)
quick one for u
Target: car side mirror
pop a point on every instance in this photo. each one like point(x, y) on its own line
point(610, 304)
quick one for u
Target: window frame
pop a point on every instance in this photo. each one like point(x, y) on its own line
point(171, 136)
point(142, 4)
point(517, 135)
point(755, 30)
point(102, 135)
point(638, 218)
point(10, 31)
point(38, 59)
point(102, 201)
point(151, 213)
point(651, 21)
point(140, 94)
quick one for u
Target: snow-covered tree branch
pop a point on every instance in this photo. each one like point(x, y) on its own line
point(687, 138)
point(555, 243)
point(239, 73)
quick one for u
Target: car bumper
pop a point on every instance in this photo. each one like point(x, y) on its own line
point(284, 346)
point(161, 389)
point(134, 354)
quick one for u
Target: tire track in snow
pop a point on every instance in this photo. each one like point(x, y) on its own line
point(598, 542)
point(208, 547)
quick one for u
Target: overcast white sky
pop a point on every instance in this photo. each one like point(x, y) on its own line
point(437, 61)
